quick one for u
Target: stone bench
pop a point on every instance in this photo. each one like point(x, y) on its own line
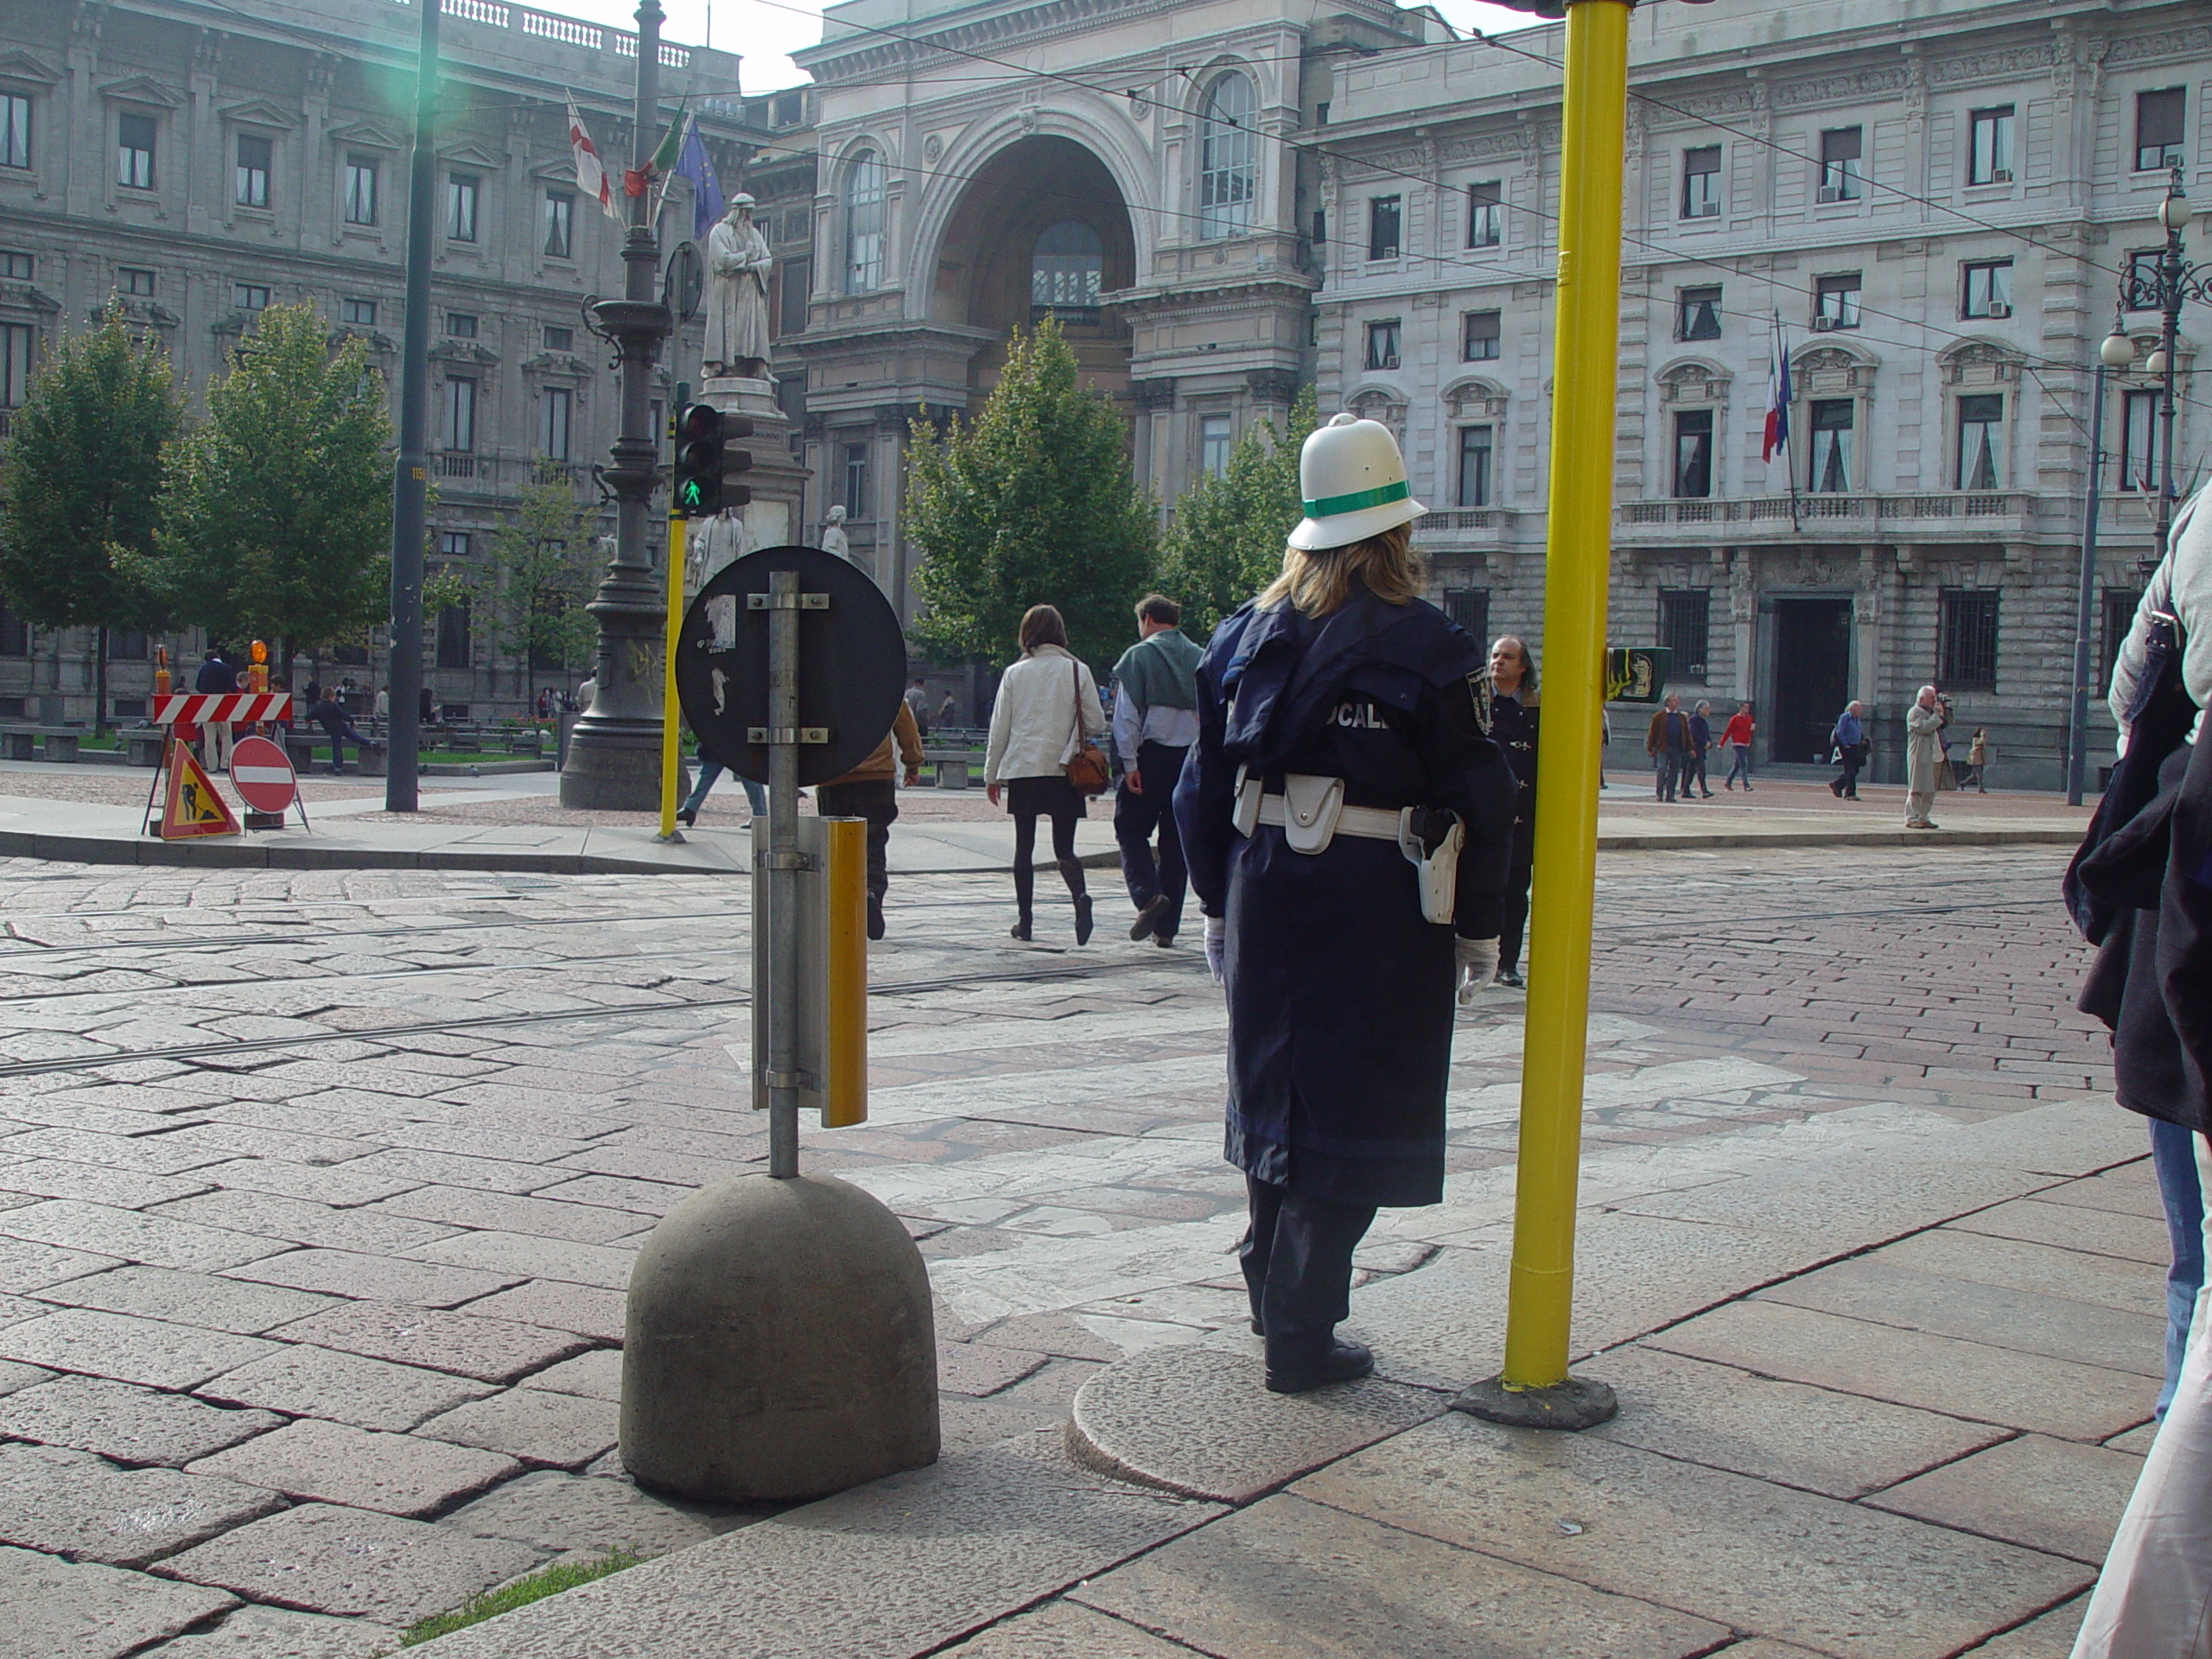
point(144, 748)
point(59, 742)
point(952, 770)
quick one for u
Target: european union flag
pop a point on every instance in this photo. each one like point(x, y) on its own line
point(691, 163)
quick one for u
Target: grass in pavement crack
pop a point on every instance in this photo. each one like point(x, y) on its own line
point(531, 1586)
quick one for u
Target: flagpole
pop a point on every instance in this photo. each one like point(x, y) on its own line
point(1782, 383)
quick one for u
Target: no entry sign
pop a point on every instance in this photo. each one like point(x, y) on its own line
point(264, 775)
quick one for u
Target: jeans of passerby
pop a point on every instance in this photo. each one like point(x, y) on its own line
point(1694, 770)
point(875, 799)
point(2173, 1156)
point(1846, 783)
point(341, 730)
point(1669, 765)
point(710, 771)
point(1137, 815)
point(2153, 1600)
point(1739, 765)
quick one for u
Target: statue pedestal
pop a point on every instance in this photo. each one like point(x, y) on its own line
point(776, 516)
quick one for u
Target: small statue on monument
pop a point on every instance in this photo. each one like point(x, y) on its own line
point(738, 263)
point(833, 535)
point(718, 541)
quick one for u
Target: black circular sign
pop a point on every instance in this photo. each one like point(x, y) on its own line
point(852, 664)
point(685, 282)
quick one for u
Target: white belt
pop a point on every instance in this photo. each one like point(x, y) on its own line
point(1375, 822)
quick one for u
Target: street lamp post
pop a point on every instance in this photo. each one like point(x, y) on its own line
point(614, 754)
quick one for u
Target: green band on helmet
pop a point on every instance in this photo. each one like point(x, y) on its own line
point(1329, 506)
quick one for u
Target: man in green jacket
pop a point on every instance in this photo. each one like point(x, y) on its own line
point(1155, 722)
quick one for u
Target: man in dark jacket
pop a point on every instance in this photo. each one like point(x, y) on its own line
point(215, 675)
point(1668, 743)
point(1155, 722)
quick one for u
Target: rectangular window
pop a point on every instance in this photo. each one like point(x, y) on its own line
point(1989, 146)
point(361, 189)
point(14, 639)
point(1701, 182)
point(1686, 629)
point(358, 314)
point(455, 544)
point(455, 644)
point(460, 325)
point(460, 206)
point(1693, 453)
point(2158, 117)
point(2120, 605)
point(139, 284)
point(460, 415)
point(1697, 314)
point(250, 179)
point(1835, 301)
point(2138, 291)
point(560, 340)
point(1213, 445)
point(856, 481)
point(1382, 344)
point(1968, 655)
point(1989, 289)
point(134, 152)
point(15, 130)
point(126, 645)
point(1479, 335)
point(1829, 452)
point(16, 267)
point(1486, 213)
point(1982, 441)
point(17, 341)
point(130, 708)
point(791, 296)
point(249, 296)
point(1840, 179)
point(1320, 227)
point(557, 406)
point(1475, 442)
point(560, 224)
point(1470, 608)
point(2139, 440)
point(1384, 219)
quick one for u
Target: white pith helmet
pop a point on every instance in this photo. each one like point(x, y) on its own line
point(1353, 483)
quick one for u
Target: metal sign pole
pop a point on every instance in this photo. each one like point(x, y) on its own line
point(782, 988)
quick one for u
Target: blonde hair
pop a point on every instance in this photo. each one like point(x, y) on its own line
point(1319, 582)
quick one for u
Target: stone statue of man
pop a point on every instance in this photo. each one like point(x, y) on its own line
point(738, 262)
point(716, 543)
point(833, 535)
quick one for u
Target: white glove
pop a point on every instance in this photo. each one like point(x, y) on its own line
point(1217, 935)
point(1477, 960)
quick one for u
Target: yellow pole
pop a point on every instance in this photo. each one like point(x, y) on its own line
point(1576, 555)
point(670, 714)
point(844, 1084)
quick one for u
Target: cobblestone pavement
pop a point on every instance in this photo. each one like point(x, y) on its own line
point(318, 1189)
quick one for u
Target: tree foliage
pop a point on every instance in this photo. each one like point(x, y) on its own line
point(1031, 503)
point(80, 485)
point(279, 513)
point(1227, 540)
point(541, 565)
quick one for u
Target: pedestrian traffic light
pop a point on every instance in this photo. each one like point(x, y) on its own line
point(699, 460)
point(736, 462)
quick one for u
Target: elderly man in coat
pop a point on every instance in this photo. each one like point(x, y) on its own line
point(1924, 751)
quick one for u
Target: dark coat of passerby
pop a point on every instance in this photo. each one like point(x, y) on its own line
point(215, 675)
point(327, 712)
point(1849, 741)
point(1700, 745)
point(1155, 720)
point(1047, 702)
point(1513, 725)
point(1668, 743)
point(1337, 712)
point(867, 792)
point(1736, 737)
point(918, 704)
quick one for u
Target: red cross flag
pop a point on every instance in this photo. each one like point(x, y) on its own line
point(591, 174)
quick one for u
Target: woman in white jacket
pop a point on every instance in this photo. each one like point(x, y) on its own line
point(1047, 702)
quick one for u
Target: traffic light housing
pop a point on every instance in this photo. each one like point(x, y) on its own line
point(704, 461)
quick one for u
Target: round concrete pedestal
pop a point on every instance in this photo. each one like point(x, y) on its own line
point(780, 1345)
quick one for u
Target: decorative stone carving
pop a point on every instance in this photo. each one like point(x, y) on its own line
point(1375, 405)
point(1156, 393)
point(1694, 382)
point(1829, 370)
point(2174, 43)
point(1984, 66)
point(1979, 363)
point(1476, 400)
point(1842, 89)
point(1271, 385)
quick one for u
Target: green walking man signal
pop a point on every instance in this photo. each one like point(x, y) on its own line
point(704, 463)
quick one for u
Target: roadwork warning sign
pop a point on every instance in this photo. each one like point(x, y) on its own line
point(193, 806)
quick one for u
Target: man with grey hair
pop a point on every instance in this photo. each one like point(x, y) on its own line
point(1851, 745)
point(1924, 751)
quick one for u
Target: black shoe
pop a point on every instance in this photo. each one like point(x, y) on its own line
point(1345, 1362)
point(1836, 790)
point(686, 817)
point(1853, 795)
point(1510, 978)
point(1258, 1330)
point(1148, 917)
point(1082, 919)
point(1708, 794)
point(874, 917)
point(1021, 930)
point(1165, 941)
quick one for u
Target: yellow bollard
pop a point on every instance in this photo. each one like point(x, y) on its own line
point(844, 1083)
point(670, 714)
point(1535, 1390)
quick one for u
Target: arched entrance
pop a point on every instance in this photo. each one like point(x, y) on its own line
point(1041, 229)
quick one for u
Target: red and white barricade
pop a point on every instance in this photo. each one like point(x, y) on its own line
point(215, 707)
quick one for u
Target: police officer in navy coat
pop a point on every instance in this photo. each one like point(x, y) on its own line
point(1327, 708)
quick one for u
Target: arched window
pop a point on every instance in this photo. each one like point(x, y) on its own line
point(1066, 270)
point(864, 223)
point(1227, 176)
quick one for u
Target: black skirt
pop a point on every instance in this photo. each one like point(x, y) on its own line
point(1050, 797)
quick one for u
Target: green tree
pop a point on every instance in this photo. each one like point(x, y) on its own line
point(80, 486)
point(1031, 503)
point(278, 520)
point(541, 566)
point(1226, 543)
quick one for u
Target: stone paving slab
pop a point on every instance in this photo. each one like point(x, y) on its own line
point(537, 1425)
point(491, 1351)
point(28, 1264)
point(213, 1303)
point(2051, 1636)
point(106, 1230)
point(129, 1349)
point(127, 1425)
point(1291, 1577)
point(88, 1612)
point(1062, 1629)
point(597, 1375)
point(1762, 1559)
point(321, 1557)
point(75, 1505)
point(556, 1511)
point(1911, 1368)
point(336, 1463)
point(378, 1278)
point(251, 1632)
point(2054, 1496)
point(2039, 1269)
point(2100, 1232)
point(304, 1380)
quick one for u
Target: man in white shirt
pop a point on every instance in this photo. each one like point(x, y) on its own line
point(1155, 722)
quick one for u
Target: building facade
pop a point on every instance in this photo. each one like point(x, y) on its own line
point(195, 162)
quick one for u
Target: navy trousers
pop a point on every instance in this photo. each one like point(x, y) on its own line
point(1135, 818)
point(1297, 1261)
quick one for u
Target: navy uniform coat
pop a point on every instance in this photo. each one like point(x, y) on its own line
point(1340, 994)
